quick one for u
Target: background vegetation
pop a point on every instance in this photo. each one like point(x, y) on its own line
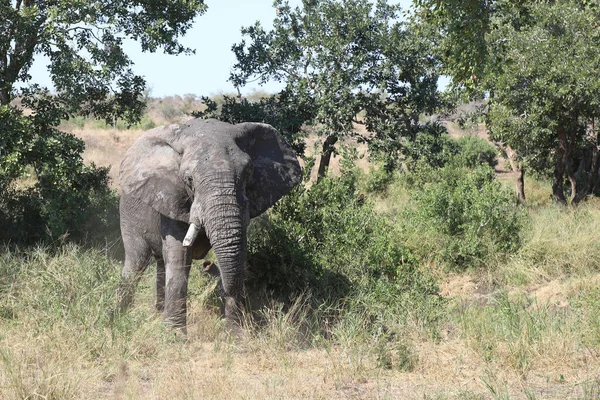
point(403, 266)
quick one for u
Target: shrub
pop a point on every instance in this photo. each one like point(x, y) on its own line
point(378, 180)
point(64, 196)
point(77, 122)
point(435, 148)
point(170, 112)
point(474, 151)
point(470, 212)
point(328, 240)
point(146, 123)
point(432, 147)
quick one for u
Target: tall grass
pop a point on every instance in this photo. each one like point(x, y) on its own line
point(533, 307)
point(59, 329)
point(558, 242)
point(61, 337)
point(521, 334)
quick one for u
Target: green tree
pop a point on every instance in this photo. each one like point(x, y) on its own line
point(546, 95)
point(537, 61)
point(349, 62)
point(92, 75)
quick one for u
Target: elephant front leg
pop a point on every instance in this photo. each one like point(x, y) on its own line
point(137, 258)
point(176, 287)
point(177, 260)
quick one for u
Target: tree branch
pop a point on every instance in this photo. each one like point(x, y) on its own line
point(25, 43)
point(90, 30)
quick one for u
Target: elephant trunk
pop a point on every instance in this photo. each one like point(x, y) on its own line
point(225, 226)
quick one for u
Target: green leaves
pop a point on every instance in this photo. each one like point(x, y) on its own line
point(538, 63)
point(547, 82)
point(45, 189)
point(90, 71)
point(469, 211)
point(342, 59)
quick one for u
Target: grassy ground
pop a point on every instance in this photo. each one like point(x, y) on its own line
point(523, 326)
point(526, 327)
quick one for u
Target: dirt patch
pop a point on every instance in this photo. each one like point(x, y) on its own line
point(461, 286)
point(551, 293)
point(445, 369)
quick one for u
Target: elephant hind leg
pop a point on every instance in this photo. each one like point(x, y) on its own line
point(137, 258)
point(160, 284)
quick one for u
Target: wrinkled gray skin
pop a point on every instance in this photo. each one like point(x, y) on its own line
point(203, 174)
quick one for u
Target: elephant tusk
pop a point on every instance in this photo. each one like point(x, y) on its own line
point(191, 235)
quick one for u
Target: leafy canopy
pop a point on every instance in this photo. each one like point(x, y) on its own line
point(538, 61)
point(84, 43)
point(548, 79)
point(351, 62)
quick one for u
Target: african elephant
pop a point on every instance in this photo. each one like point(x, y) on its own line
point(186, 188)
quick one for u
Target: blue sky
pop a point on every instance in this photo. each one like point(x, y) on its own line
point(212, 35)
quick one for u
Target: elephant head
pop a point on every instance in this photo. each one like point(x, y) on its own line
point(214, 176)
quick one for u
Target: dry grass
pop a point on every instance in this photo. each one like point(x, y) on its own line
point(57, 367)
point(559, 243)
point(58, 340)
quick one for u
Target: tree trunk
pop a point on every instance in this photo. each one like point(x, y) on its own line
point(520, 186)
point(570, 170)
point(588, 167)
point(593, 177)
point(585, 174)
point(558, 194)
point(4, 97)
point(326, 155)
point(519, 170)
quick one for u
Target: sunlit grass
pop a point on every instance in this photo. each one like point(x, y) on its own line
point(530, 325)
point(558, 242)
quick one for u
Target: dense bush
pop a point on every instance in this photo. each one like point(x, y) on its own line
point(377, 180)
point(435, 148)
point(328, 240)
point(45, 189)
point(467, 211)
point(474, 151)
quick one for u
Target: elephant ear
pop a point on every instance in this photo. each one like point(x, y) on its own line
point(150, 172)
point(276, 167)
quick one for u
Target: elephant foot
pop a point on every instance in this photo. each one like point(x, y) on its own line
point(176, 333)
point(233, 329)
point(175, 315)
point(124, 296)
point(178, 327)
point(232, 312)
